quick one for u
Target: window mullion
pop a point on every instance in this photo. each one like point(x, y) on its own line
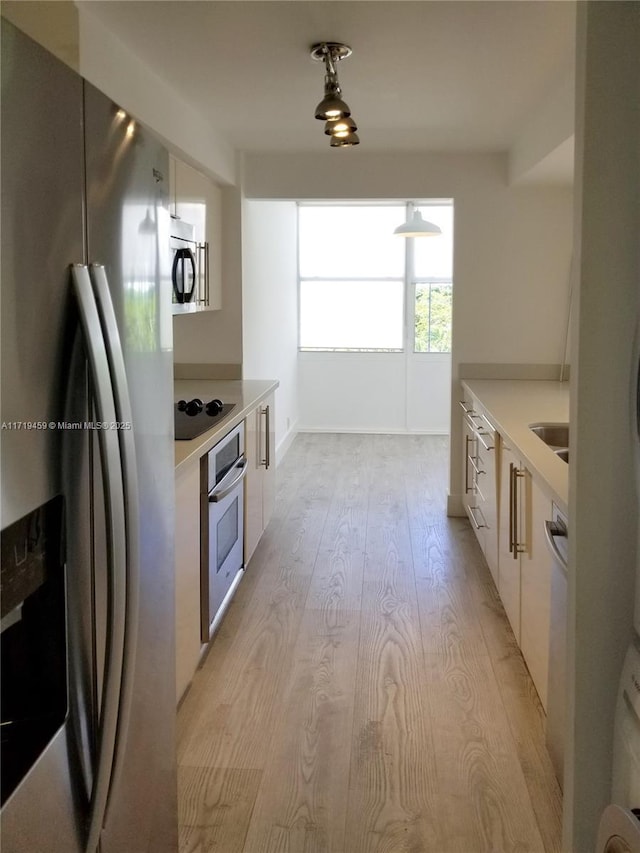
point(409, 290)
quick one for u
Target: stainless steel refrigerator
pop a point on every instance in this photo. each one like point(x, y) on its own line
point(88, 672)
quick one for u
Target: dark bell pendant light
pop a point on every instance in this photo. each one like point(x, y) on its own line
point(345, 141)
point(332, 109)
point(340, 127)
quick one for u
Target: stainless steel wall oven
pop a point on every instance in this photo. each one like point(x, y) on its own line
point(222, 473)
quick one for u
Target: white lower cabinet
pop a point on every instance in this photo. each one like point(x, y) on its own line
point(260, 483)
point(480, 481)
point(187, 562)
point(525, 564)
point(513, 528)
point(470, 496)
point(535, 594)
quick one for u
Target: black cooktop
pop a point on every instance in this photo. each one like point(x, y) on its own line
point(191, 426)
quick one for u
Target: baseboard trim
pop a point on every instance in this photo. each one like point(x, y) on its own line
point(455, 507)
point(285, 443)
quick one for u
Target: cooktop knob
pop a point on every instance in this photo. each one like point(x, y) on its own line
point(182, 405)
point(214, 407)
point(193, 407)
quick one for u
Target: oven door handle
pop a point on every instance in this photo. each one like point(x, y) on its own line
point(226, 488)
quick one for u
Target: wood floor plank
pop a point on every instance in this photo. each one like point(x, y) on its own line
point(392, 801)
point(445, 578)
point(476, 759)
point(215, 807)
point(301, 807)
point(338, 570)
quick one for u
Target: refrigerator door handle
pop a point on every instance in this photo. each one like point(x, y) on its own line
point(124, 420)
point(116, 549)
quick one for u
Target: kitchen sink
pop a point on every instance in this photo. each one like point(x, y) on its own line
point(555, 436)
point(563, 453)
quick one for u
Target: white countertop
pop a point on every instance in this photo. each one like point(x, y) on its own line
point(245, 393)
point(513, 405)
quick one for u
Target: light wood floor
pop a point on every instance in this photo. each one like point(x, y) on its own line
point(365, 692)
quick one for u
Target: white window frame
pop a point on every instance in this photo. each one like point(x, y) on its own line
point(410, 280)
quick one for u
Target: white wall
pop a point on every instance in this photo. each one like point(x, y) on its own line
point(374, 392)
point(603, 502)
point(112, 67)
point(270, 305)
point(512, 246)
point(547, 129)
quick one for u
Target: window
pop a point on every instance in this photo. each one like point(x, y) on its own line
point(354, 279)
point(432, 259)
point(351, 278)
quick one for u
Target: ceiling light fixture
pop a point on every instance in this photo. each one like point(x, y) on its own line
point(332, 109)
point(345, 141)
point(416, 226)
point(340, 127)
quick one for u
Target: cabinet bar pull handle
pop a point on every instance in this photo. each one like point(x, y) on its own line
point(517, 547)
point(481, 436)
point(467, 489)
point(475, 467)
point(515, 512)
point(473, 518)
point(266, 461)
point(511, 507)
point(463, 406)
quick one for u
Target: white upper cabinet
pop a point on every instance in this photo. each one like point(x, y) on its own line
point(196, 216)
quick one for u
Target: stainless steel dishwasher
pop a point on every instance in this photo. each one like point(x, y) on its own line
point(556, 534)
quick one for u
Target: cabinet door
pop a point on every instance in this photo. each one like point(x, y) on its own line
point(213, 239)
point(197, 200)
point(252, 485)
point(268, 414)
point(260, 482)
point(535, 609)
point(191, 198)
point(488, 485)
point(514, 485)
point(172, 185)
point(472, 472)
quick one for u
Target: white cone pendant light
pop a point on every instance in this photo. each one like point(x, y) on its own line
point(416, 226)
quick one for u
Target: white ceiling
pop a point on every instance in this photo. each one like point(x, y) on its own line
point(430, 75)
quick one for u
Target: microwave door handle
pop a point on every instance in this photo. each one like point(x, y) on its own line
point(178, 276)
point(192, 263)
point(124, 419)
point(116, 550)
